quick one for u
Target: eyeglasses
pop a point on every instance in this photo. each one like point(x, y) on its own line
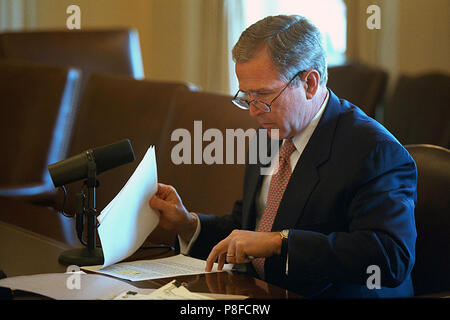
point(242, 102)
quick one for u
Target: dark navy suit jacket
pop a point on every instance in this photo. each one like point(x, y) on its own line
point(349, 205)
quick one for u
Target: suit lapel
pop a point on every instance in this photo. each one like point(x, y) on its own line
point(253, 180)
point(302, 183)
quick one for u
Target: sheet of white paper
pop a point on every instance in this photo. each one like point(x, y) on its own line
point(178, 265)
point(67, 286)
point(106, 210)
point(128, 220)
point(137, 172)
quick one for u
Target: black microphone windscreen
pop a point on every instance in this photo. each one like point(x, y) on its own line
point(113, 155)
point(105, 157)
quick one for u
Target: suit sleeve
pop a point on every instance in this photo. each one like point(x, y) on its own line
point(381, 227)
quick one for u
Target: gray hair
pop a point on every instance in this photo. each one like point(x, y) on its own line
point(293, 42)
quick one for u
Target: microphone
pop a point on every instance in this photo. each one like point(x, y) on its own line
point(105, 157)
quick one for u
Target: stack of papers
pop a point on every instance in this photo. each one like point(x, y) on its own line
point(128, 219)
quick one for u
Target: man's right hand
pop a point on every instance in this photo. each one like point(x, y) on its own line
point(174, 216)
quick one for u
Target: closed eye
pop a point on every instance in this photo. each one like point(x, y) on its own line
point(257, 94)
point(262, 94)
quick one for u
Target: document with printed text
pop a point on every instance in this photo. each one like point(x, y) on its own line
point(174, 266)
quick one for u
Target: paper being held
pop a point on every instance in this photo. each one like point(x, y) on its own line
point(127, 220)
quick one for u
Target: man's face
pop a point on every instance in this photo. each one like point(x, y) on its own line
point(290, 113)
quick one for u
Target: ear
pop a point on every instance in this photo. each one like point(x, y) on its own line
point(311, 82)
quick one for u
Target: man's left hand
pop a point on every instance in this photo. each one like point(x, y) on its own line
point(242, 245)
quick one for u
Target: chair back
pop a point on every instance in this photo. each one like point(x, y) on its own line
point(419, 110)
point(362, 85)
point(431, 270)
point(91, 51)
point(37, 105)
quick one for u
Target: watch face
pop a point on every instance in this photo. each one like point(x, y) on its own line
point(285, 233)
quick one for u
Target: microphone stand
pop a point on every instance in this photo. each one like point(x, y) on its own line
point(91, 255)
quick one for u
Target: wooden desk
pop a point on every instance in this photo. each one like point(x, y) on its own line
point(32, 240)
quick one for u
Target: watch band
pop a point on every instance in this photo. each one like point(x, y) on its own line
point(284, 242)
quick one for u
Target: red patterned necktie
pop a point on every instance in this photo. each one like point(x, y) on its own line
point(277, 186)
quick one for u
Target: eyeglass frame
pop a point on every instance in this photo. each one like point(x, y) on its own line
point(269, 105)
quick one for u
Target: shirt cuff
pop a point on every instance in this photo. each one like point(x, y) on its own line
point(185, 247)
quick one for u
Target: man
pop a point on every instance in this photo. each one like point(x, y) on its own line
point(338, 209)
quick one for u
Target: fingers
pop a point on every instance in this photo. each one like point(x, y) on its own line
point(173, 215)
point(240, 253)
point(210, 260)
point(218, 253)
point(236, 253)
point(165, 191)
point(229, 250)
point(221, 261)
point(242, 246)
point(164, 197)
point(158, 203)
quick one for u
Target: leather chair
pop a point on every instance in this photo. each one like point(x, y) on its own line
point(36, 115)
point(362, 85)
point(205, 188)
point(91, 51)
point(419, 111)
point(431, 270)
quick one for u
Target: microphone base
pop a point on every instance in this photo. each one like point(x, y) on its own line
point(82, 257)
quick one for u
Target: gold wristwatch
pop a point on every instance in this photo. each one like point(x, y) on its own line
point(284, 242)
